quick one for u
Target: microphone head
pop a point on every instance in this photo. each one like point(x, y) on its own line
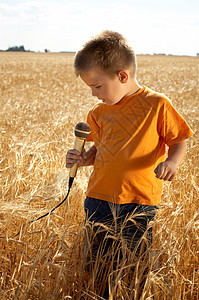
point(82, 130)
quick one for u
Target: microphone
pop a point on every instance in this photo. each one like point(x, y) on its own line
point(82, 131)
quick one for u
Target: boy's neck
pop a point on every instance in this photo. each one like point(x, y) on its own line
point(132, 87)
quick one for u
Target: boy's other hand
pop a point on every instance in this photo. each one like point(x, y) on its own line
point(166, 170)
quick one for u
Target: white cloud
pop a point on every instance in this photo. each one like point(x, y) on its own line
point(18, 14)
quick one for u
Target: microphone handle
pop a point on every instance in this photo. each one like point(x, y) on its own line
point(79, 144)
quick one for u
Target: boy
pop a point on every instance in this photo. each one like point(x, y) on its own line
point(129, 128)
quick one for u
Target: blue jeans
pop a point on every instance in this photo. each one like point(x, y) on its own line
point(110, 225)
point(130, 221)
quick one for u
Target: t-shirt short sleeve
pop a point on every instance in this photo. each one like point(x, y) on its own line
point(95, 130)
point(172, 126)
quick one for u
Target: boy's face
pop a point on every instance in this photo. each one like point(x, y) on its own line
point(109, 90)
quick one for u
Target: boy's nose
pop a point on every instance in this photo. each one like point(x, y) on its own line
point(94, 94)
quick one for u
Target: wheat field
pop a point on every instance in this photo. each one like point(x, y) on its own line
point(41, 102)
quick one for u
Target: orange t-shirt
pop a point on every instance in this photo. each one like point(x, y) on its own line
point(130, 138)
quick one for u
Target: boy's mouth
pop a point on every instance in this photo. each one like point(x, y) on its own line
point(103, 100)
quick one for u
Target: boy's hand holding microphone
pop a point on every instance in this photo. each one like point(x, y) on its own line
point(78, 156)
point(85, 159)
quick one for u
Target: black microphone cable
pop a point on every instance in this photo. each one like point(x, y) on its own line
point(48, 213)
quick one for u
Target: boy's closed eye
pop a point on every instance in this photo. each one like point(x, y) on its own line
point(97, 87)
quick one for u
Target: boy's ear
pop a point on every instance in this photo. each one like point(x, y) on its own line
point(123, 76)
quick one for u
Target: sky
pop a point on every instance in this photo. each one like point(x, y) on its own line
point(151, 26)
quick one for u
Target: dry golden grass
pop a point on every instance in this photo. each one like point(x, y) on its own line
point(41, 102)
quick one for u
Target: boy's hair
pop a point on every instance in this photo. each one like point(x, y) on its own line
point(109, 51)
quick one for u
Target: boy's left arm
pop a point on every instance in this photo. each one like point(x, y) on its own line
point(167, 170)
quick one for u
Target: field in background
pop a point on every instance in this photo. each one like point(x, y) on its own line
point(41, 102)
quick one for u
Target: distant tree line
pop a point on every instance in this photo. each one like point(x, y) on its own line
point(16, 48)
point(22, 49)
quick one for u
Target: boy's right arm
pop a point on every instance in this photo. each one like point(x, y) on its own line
point(86, 159)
